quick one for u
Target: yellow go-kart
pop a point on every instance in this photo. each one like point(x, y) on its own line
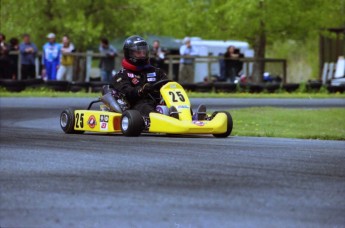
point(174, 116)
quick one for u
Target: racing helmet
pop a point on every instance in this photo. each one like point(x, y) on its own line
point(136, 50)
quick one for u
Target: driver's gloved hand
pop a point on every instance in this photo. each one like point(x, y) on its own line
point(147, 88)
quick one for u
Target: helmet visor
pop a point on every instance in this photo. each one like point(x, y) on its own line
point(139, 52)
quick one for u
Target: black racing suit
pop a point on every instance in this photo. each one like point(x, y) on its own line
point(130, 82)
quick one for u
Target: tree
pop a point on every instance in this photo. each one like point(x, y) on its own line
point(260, 22)
point(85, 21)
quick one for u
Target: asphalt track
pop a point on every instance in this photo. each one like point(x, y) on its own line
point(49, 179)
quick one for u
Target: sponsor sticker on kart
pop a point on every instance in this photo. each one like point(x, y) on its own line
point(153, 74)
point(104, 120)
point(92, 121)
point(183, 106)
point(199, 123)
point(151, 79)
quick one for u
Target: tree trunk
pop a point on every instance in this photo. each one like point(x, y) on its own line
point(259, 51)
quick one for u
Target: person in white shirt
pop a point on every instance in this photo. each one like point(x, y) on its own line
point(186, 74)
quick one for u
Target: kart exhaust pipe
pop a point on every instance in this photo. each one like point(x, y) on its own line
point(109, 100)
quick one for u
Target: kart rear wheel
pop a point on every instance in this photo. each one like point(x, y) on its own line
point(67, 121)
point(132, 123)
point(229, 126)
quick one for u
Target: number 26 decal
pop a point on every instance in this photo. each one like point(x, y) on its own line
point(176, 95)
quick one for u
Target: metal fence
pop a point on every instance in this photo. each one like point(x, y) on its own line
point(84, 61)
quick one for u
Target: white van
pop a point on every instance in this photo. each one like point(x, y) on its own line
point(215, 47)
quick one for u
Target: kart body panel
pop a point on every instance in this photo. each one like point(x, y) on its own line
point(97, 121)
point(166, 124)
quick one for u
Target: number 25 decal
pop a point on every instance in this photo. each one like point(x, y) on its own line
point(179, 95)
point(79, 122)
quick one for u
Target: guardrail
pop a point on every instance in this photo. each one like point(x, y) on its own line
point(170, 60)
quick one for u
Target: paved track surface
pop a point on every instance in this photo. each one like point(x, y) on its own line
point(49, 179)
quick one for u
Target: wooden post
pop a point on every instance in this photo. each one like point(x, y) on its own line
point(88, 65)
point(284, 71)
point(170, 72)
point(37, 66)
point(209, 67)
point(19, 66)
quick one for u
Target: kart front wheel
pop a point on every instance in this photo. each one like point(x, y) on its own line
point(229, 126)
point(67, 121)
point(132, 123)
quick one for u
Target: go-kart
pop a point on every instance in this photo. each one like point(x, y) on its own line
point(174, 116)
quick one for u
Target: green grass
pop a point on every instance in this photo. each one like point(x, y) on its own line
point(326, 124)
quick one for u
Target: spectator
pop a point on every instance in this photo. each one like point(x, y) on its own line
point(232, 63)
point(158, 55)
point(5, 72)
point(187, 64)
point(51, 57)
point(28, 51)
point(107, 63)
point(14, 47)
point(65, 71)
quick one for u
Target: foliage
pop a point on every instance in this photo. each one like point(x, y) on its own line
point(85, 21)
point(260, 22)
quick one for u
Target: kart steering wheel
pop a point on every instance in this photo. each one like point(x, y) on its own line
point(160, 83)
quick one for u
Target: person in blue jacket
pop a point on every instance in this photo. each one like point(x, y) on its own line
point(51, 57)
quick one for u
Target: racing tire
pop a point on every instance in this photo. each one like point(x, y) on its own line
point(67, 121)
point(229, 126)
point(132, 123)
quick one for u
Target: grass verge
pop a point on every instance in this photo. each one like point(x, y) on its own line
point(327, 124)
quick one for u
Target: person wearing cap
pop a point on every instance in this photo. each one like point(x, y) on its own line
point(186, 73)
point(51, 57)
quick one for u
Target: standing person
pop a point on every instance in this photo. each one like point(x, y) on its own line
point(28, 51)
point(231, 64)
point(107, 63)
point(158, 55)
point(14, 47)
point(65, 71)
point(186, 73)
point(4, 58)
point(51, 57)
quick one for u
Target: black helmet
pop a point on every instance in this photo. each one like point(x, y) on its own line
point(136, 50)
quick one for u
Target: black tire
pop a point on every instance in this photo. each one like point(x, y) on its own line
point(58, 86)
point(67, 121)
point(13, 85)
point(229, 126)
point(132, 123)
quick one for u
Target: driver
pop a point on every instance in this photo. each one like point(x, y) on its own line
point(137, 76)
